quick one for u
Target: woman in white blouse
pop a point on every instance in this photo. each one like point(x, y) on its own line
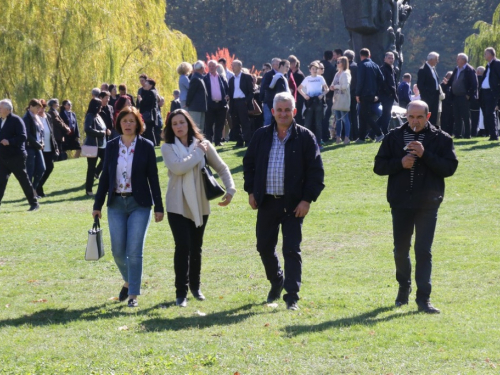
point(50, 148)
point(130, 180)
point(185, 153)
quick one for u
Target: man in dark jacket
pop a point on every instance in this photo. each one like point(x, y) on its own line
point(215, 116)
point(489, 94)
point(404, 91)
point(13, 153)
point(107, 114)
point(370, 79)
point(240, 96)
point(428, 85)
point(283, 174)
point(417, 157)
point(388, 91)
point(197, 95)
point(266, 93)
point(463, 83)
point(330, 69)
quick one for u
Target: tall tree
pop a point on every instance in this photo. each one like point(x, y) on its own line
point(488, 36)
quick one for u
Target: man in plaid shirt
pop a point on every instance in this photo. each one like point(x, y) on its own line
point(283, 174)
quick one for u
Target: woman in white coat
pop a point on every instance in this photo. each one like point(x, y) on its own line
point(185, 153)
point(341, 86)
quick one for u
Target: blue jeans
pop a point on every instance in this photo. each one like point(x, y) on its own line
point(342, 117)
point(128, 225)
point(35, 166)
point(268, 116)
point(423, 222)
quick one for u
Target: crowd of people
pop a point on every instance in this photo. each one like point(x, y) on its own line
point(214, 104)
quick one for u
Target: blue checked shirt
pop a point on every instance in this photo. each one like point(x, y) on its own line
point(276, 166)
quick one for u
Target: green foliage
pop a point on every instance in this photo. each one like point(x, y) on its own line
point(64, 48)
point(56, 316)
point(488, 36)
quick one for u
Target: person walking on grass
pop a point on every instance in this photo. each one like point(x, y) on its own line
point(417, 157)
point(283, 174)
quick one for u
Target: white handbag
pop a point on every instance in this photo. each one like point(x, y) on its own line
point(95, 245)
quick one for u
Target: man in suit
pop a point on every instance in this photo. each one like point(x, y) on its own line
point(353, 111)
point(215, 117)
point(417, 157)
point(267, 94)
point(388, 91)
point(197, 95)
point(240, 96)
point(13, 153)
point(489, 93)
point(298, 76)
point(283, 174)
point(107, 114)
point(463, 83)
point(176, 103)
point(370, 79)
point(404, 91)
point(428, 85)
point(330, 68)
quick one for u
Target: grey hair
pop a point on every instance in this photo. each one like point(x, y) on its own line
point(432, 56)
point(53, 101)
point(275, 60)
point(349, 54)
point(199, 65)
point(212, 62)
point(284, 97)
point(238, 62)
point(7, 103)
point(96, 91)
point(463, 56)
point(480, 69)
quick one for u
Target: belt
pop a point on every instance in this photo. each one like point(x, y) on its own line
point(123, 195)
point(239, 98)
point(274, 196)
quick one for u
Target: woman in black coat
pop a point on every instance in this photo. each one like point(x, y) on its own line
point(149, 108)
point(50, 148)
point(96, 132)
point(35, 165)
point(72, 140)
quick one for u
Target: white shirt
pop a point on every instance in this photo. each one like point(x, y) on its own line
point(124, 167)
point(3, 122)
point(434, 75)
point(238, 94)
point(313, 86)
point(229, 74)
point(47, 142)
point(486, 80)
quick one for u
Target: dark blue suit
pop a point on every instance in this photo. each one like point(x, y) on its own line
point(404, 94)
point(490, 98)
point(13, 156)
point(215, 117)
point(145, 182)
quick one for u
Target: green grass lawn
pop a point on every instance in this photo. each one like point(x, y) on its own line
point(57, 314)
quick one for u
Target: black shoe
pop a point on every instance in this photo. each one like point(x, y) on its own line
point(132, 302)
point(426, 307)
point(275, 292)
point(198, 295)
point(123, 294)
point(239, 144)
point(181, 302)
point(493, 139)
point(292, 305)
point(359, 141)
point(403, 294)
point(34, 207)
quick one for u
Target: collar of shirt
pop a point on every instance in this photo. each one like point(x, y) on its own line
point(121, 144)
point(288, 132)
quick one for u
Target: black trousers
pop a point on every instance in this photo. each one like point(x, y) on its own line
point(367, 117)
point(488, 104)
point(215, 119)
point(16, 165)
point(150, 132)
point(404, 221)
point(299, 104)
point(433, 103)
point(353, 116)
point(325, 125)
point(240, 120)
point(48, 157)
point(187, 257)
point(447, 120)
point(92, 168)
point(461, 114)
point(270, 216)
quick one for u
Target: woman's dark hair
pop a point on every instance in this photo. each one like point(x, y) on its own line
point(138, 118)
point(122, 87)
point(33, 103)
point(94, 106)
point(43, 103)
point(111, 87)
point(193, 130)
point(151, 81)
point(64, 102)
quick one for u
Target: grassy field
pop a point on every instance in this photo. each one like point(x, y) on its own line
point(57, 314)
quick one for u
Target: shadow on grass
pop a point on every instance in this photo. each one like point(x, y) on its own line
point(51, 194)
point(459, 142)
point(369, 318)
point(482, 146)
point(222, 318)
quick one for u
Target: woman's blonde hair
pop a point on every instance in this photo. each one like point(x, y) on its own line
point(184, 68)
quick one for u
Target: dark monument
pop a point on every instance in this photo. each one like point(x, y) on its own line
point(376, 25)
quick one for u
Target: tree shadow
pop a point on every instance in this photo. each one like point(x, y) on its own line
point(221, 318)
point(368, 319)
point(54, 193)
point(460, 142)
point(482, 146)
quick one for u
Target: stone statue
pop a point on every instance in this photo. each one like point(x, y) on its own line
point(376, 25)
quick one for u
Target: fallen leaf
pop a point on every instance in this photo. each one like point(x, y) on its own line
point(39, 301)
point(237, 373)
point(32, 281)
point(7, 305)
point(198, 312)
point(123, 328)
point(221, 297)
point(266, 325)
point(113, 299)
point(273, 305)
